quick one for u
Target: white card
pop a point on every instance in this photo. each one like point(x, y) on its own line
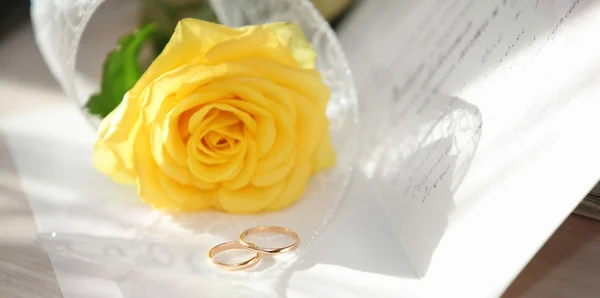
point(469, 102)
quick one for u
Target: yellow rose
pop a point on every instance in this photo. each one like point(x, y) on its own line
point(225, 118)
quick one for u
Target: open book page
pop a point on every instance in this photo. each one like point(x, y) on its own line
point(479, 127)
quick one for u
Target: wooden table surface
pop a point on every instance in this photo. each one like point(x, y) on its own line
point(567, 266)
point(25, 269)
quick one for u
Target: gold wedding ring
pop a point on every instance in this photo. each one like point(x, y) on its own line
point(269, 229)
point(232, 245)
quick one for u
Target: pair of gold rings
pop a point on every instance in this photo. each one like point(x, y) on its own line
point(243, 244)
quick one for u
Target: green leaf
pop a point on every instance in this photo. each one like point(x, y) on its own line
point(167, 13)
point(206, 13)
point(121, 71)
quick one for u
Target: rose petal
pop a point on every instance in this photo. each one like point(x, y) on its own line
point(216, 141)
point(294, 187)
point(108, 163)
point(325, 156)
point(158, 190)
point(307, 119)
point(188, 45)
point(272, 92)
point(292, 37)
point(235, 135)
point(223, 121)
point(201, 75)
point(307, 82)
point(176, 124)
point(147, 182)
point(202, 154)
point(265, 124)
point(193, 38)
point(196, 120)
point(174, 86)
point(257, 42)
point(310, 127)
point(284, 141)
point(250, 161)
point(249, 199)
point(116, 132)
point(118, 127)
point(165, 162)
point(213, 173)
point(264, 178)
point(160, 92)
